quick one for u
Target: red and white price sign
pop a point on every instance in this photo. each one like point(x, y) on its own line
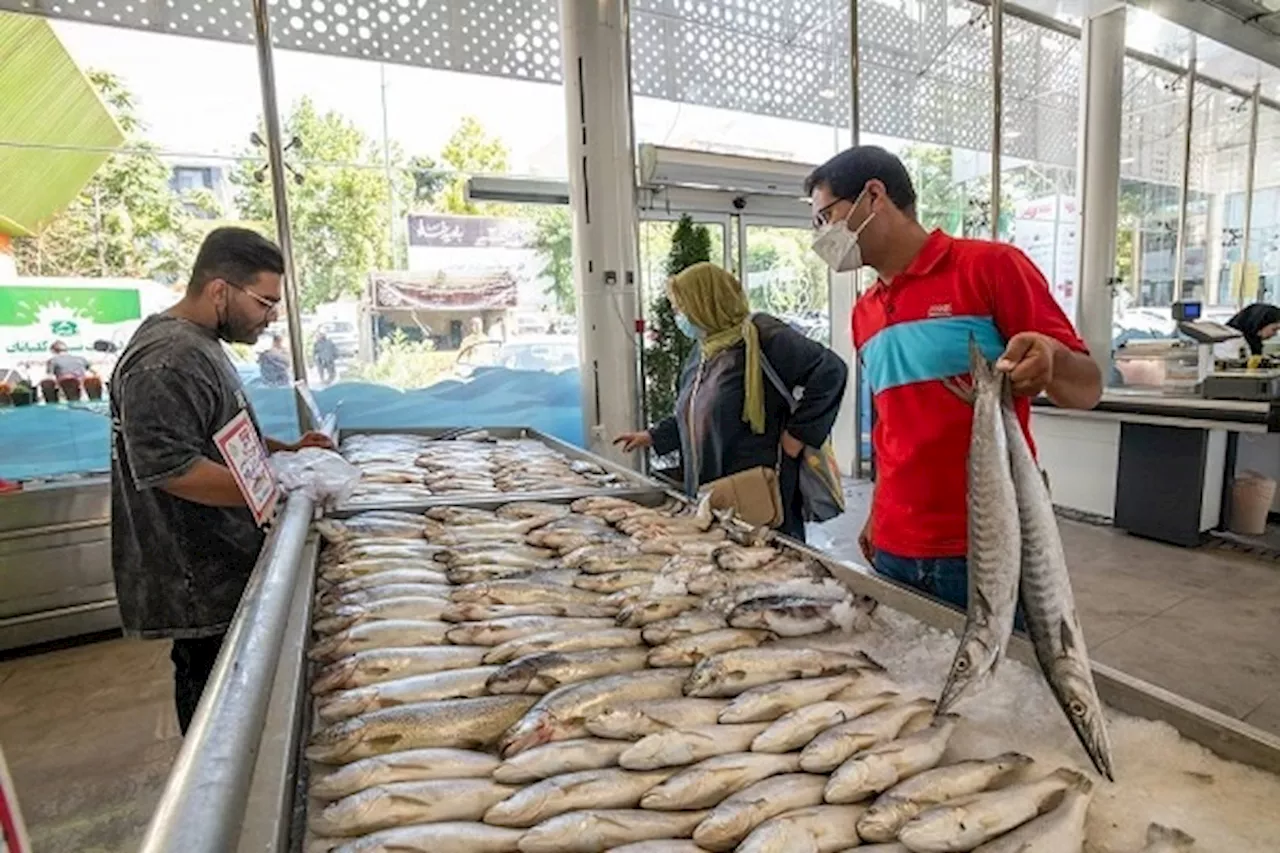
point(13, 835)
point(242, 450)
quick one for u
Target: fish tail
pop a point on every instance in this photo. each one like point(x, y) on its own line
point(1169, 835)
point(982, 371)
point(1075, 779)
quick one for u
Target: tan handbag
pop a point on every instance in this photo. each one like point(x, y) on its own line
point(754, 496)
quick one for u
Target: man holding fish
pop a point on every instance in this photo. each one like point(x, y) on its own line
point(912, 330)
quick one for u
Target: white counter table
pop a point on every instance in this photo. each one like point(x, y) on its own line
point(1156, 465)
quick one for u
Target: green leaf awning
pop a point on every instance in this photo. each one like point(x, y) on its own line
point(48, 108)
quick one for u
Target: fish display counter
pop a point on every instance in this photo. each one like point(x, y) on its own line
point(434, 466)
point(632, 672)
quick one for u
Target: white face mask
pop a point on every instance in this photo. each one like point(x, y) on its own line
point(836, 244)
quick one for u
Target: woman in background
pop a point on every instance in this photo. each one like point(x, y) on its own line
point(729, 416)
point(1257, 323)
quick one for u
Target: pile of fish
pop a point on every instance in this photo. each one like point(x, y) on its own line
point(607, 676)
point(399, 467)
point(1015, 558)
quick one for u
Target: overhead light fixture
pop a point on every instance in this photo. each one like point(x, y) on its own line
point(661, 166)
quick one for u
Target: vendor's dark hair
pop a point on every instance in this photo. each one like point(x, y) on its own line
point(234, 255)
point(848, 172)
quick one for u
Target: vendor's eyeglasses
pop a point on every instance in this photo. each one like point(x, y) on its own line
point(823, 215)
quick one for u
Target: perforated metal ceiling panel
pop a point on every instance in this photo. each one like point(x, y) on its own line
point(507, 38)
point(925, 63)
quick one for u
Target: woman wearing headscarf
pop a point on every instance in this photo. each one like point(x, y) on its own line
point(1257, 323)
point(729, 416)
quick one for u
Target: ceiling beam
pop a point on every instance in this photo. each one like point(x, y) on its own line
point(1214, 22)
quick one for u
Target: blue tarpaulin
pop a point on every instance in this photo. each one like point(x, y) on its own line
point(38, 442)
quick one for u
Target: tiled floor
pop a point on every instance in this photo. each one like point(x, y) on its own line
point(89, 731)
point(89, 735)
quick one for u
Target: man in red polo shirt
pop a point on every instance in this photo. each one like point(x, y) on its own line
point(912, 330)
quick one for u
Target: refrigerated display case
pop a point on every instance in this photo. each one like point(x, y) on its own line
point(240, 780)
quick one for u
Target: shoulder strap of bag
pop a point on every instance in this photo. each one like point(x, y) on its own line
point(774, 379)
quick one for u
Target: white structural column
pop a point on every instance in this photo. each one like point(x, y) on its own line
point(842, 293)
point(1099, 173)
point(602, 195)
point(845, 435)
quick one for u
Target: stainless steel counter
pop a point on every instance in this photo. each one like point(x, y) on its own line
point(55, 563)
point(243, 752)
point(1148, 407)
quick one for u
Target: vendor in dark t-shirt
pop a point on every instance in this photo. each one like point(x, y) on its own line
point(183, 541)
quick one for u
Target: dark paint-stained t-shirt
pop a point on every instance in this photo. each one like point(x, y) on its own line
point(180, 567)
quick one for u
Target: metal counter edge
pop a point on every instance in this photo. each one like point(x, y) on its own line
point(204, 799)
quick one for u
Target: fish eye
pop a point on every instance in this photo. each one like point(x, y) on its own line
point(1077, 708)
point(962, 664)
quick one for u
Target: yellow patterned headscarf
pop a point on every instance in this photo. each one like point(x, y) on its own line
point(715, 302)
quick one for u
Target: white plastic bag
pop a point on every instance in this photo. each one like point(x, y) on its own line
point(322, 475)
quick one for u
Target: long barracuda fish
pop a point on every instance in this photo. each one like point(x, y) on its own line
point(994, 535)
point(1050, 607)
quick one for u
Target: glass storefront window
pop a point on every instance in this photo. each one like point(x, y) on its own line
point(1152, 130)
point(1264, 230)
point(444, 309)
point(1217, 178)
point(1038, 202)
point(127, 188)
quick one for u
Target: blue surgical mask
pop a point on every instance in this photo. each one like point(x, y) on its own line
point(685, 325)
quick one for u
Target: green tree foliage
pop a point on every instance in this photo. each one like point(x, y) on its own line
point(553, 238)
point(939, 199)
point(126, 222)
point(470, 151)
point(341, 211)
point(667, 348)
point(429, 179)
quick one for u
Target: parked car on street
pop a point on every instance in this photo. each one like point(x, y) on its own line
point(550, 353)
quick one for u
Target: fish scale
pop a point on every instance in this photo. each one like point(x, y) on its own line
point(1050, 608)
point(995, 538)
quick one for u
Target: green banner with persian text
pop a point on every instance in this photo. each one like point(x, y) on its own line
point(32, 318)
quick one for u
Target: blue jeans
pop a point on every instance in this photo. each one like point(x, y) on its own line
point(943, 578)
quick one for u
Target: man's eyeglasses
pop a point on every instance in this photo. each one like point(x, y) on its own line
point(269, 304)
point(822, 215)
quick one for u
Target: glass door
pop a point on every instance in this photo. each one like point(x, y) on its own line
point(655, 248)
point(785, 278)
point(665, 348)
